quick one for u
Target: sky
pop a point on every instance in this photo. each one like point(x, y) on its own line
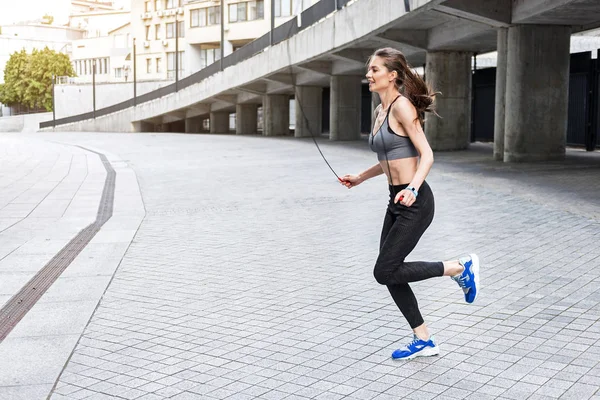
point(19, 10)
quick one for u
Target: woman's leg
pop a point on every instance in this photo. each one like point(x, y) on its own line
point(401, 292)
point(409, 224)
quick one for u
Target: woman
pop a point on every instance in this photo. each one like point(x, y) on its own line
point(405, 157)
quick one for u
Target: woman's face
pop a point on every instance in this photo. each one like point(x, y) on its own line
point(379, 76)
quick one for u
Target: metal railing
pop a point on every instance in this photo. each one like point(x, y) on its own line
point(283, 32)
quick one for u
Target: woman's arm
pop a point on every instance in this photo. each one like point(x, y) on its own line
point(369, 173)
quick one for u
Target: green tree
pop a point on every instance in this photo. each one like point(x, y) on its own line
point(42, 65)
point(12, 92)
point(28, 77)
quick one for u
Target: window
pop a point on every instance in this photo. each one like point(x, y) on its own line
point(118, 72)
point(173, 3)
point(257, 10)
point(148, 65)
point(198, 17)
point(214, 15)
point(147, 32)
point(205, 16)
point(237, 12)
point(209, 56)
point(171, 64)
point(157, 35)
point(285, 8)
point(247, 11)
point(170, 30)
point(158, 5)
point(106, 65)
point(159, 65)
point(181, 29)
point(147, 6)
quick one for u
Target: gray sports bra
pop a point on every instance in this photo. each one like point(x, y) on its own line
point(386, 140)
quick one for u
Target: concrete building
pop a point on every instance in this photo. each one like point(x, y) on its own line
point(111, 54)
point(329, 48)
point(197, 23)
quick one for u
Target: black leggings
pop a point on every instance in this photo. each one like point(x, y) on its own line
point(402, 228)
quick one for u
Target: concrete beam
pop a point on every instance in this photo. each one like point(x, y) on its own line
point(281, 77)
point(445, 36)
point(343, 67)
point(227, 98)
point(222, 106)
point(321, 67)
point(274, 87)
point(527, 10)
point(358, 55)
point(496, 13)
point(245, 97)
point(407, 49)
point(197, 110)
point(310, 78)
point(173, 116)
point(257, 87)
point(419, 39)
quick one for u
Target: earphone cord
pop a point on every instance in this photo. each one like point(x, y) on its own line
point(390, 180)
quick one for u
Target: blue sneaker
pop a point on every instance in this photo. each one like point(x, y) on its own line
point(468, 280)
point(418, 348)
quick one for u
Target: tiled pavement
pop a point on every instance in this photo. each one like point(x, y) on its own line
point(251, 277)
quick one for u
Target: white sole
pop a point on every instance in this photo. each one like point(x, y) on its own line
point(427, 352)
point(475, 269)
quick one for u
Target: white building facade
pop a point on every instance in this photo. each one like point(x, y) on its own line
point(192, 29)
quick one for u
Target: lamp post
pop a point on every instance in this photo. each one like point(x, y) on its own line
point(94, 86)
point(134, 75)
point(222, 33)
point(176, 53)
point(272, 21)
point(53, 102)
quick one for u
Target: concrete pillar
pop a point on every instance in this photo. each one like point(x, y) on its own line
point(345, 106)
point(193, 125)
point(309, 111)
point(276, 114)
point(246, 119)
point(500, 111)
point(219, 122)
point(449, 72)
point(142, 126)
point(537, 83)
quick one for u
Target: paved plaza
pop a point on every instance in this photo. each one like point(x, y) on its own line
point(236, 267)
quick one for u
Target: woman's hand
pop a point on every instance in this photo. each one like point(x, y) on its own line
point(351, 180)
point(405, 197)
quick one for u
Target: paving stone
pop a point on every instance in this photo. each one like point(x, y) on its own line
point(251, 276)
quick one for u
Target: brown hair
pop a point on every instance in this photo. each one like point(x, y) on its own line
point(409, 83)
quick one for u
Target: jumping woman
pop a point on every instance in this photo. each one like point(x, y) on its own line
point(405, 157)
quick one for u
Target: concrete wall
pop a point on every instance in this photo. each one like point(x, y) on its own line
point(24, 122)
point(73, 99)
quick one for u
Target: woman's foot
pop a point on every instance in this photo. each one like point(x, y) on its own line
point(417, 348)
point(468, 280)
